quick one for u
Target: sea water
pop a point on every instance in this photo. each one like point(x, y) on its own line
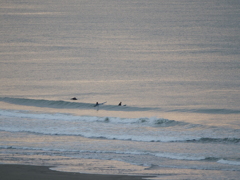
point(173, 64)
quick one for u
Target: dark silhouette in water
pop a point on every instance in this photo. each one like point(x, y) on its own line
point(120, 104)
point(96, 104)
point(74, 98)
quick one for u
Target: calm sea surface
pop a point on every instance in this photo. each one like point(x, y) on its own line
point(174, 65)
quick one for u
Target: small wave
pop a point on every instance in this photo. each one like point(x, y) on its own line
point(167, 155)
point(151, 129)
point(152, 121)
point(177, 156)
point(25, 148)
point(208, 111)
point(160, 122)
point(60, 104)
point(237, 163)
point(46, 103)
point(180, 156)
point(215, 140)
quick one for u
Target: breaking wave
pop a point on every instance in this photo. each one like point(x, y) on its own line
point(151, 129)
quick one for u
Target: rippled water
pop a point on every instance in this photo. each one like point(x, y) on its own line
point(174, 65)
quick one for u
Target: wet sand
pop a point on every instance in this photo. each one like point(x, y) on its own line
point(26, 172)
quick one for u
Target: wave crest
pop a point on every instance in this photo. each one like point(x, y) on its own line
point(60, 104)
point(215, 140)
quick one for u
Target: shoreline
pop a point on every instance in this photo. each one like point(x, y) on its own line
point(30, 172)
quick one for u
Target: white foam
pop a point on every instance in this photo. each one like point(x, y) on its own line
point(152, 121)
point(151, 129)
point(237, 163)
point(180, 156)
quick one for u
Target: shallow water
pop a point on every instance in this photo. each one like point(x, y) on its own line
point(173, 65)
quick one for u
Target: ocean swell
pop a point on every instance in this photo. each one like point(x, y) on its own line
point(208, 111)
point(60, 104)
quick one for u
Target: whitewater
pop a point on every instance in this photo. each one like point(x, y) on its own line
point(146, 145)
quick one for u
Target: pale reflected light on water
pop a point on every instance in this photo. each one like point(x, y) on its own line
point(175, 65)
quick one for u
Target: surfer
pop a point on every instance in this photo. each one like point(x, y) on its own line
point(74, 98)
point(120, 104)
point(98, 104)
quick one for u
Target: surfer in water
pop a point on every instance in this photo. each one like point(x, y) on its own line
point(120, 104)
point(74, 98)
point(96, 104)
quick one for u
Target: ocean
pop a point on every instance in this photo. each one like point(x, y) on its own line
point(174, 65)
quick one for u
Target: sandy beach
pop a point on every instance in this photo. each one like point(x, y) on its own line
point(26, 172)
